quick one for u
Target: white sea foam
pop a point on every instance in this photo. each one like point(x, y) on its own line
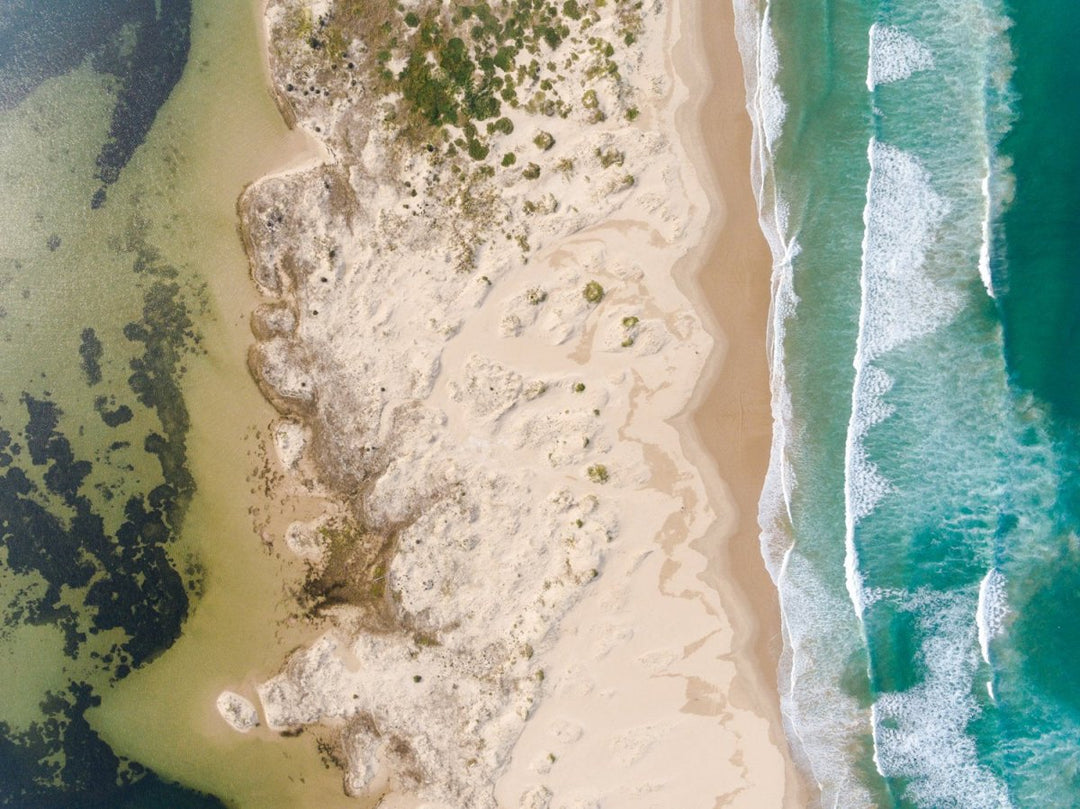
point(867, 485)
point(767, 108)
point(992, 609)
point(770, 100)
point(984, 248)
point(823, 722)
point(774, 506)
point(921, 734)
point(894, 55)
point(764, 102)
point(899, 303)
point(901, 217)
point(822, 634)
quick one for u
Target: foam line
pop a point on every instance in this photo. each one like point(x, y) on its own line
point(991, 610)
point(899, 303)
point(894, 55)
point(901, 219)
point(984, 248)
point(920, 734)
point(823, 722)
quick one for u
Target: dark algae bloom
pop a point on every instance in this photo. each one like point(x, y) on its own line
point(97, 564)
point(88, 775)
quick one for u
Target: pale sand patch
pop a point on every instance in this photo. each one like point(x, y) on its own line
point(663, 684)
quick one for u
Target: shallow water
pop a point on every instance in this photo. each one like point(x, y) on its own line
point(152, 274)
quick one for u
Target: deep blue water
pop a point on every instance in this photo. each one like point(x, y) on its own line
point(919, 179)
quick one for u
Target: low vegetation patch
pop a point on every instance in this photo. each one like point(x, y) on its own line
point(354, 572)
point(593, 292)
point(544, 141)
point(445, 71)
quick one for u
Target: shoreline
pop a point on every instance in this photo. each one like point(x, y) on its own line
point(730, 418)
point(164, 714)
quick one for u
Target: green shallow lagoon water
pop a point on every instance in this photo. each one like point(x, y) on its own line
point(134, 574)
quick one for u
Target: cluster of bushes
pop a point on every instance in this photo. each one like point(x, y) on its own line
point(452, 68)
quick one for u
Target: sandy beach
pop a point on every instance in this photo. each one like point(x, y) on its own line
point(536, 581)
point(733, 419)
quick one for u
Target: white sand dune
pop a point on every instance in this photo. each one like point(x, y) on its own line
point(484, 373)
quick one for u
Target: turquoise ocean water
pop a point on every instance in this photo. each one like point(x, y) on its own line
point(918, 170)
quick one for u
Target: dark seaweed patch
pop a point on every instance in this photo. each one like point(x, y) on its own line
point(148, 261)
point(44, 418)
point(135, 587)
point(113, 417)
point(128, 578)
point(62, 763)
point(143, 44)
point(91, 352)
point(166, 332)
point(37, 540)
point(146, 72)
point(132, 587)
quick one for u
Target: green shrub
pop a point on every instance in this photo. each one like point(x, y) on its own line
point(504, 58)
point(428, 95)
point(610, 157)
point(503, 125)
point(544, 140)
point(477, 150)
